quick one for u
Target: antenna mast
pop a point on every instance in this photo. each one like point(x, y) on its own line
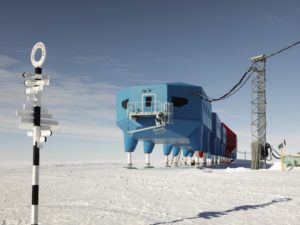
point(259, 123)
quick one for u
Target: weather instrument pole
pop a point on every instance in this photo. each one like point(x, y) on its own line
point(35, 120)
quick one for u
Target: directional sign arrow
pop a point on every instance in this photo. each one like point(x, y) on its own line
point(28, 75)
point(32, 83)
point(43, 121)
point(44, 133)
point(43, 139)
point(35, 76)
point(33, 90)
point(29, 126)
point(29, 113)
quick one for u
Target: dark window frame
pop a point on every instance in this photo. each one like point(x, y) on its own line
point(179, 101)
point(148, 101)
point(125, 103)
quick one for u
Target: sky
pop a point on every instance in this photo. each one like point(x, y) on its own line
point(95, 48)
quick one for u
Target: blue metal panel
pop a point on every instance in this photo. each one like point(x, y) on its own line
point(167, 149)
point(213, 147)
point(223, 141)
point(215, 136)
point(206, 140)
point(234, 153)
point(129, 143)
point(191, 153)
point(175, 150)
point(196, 139)
point(148, 147)
point(185, 152)
point(216, 125)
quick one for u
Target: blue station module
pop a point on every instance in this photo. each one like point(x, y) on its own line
point(174, 114)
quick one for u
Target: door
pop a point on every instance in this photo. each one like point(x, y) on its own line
point(148, 103)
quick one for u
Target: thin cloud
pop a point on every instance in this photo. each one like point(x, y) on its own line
point(104, 133)
point(96, 60)
point(6, 61)
point(11, 93)
point(272, 18)
point(83, 108)
point(173, 60)
point(103, 60)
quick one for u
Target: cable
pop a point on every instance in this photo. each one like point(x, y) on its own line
point(238, 87)
point(268, 146)
point(242, 81)
point(278, 155)
point(275, 156)
point(282, 50)
point(234, 89)
point(272, 152)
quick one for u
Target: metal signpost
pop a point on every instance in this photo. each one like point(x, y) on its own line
point(36, 120)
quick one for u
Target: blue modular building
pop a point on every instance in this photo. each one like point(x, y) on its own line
point(174, 114)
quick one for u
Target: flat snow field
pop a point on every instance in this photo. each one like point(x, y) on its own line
point(107, 193)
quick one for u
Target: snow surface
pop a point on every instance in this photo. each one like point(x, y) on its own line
point(107, 193)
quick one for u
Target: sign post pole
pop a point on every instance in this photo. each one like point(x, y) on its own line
point(36, 155)
point(36, 121)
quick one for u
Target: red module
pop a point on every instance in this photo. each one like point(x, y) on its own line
point(231, 141)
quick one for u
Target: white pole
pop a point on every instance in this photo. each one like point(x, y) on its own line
point(172, 159)
point(167, 160)
point(185, 160)
point(197, 159)
point(191, 160)
point(177, 160)
point(129, 162)
point(147, 159)
point(34, 83)
point(204, 158)
point(36, 154)
point(209, 161)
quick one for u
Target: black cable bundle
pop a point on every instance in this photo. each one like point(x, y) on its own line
point(245, 78)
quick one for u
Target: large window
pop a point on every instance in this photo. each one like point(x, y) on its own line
point(178, 102)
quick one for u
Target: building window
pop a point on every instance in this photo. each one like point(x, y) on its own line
point(148, 101)
point(178, 102)
point(125, 103)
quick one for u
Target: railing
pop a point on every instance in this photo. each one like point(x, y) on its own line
point(163, 111)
